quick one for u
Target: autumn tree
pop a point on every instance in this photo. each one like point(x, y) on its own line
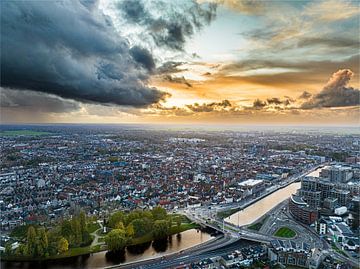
point(63, 245)
point(130, 232)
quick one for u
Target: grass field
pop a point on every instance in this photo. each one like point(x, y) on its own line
point(23, 132)
point(285, 232)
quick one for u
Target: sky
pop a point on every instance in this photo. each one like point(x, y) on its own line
point(183, 61)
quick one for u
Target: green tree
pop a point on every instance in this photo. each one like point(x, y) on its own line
point(82, 220)
point(76, 231)
point(43, 242)
point(160, 229)
point(31, 242)
point(133, 215)
point(63, 245)
point(159, 213)
point(21, 250)
point(115, 218)
point(54, 236)
point(116, 240)
point(8, 249)
point(140, 227)
point(66, 229)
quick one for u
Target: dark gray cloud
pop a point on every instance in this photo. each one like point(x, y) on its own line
point(72, 50)
point(170, 67)
point(335, 93)
point(305, 95)
point(180, 80)
point(35, 102)
point(333, 41)
point(167, 23)
point(258, 104)
point(143, 57)
point(210, 107)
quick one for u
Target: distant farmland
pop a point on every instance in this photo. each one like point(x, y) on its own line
point(23, 133)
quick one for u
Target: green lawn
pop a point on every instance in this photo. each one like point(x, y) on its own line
point(285, 232)
point(23, 132)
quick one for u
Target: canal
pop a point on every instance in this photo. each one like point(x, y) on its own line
point(253, 212)
point(149, 250)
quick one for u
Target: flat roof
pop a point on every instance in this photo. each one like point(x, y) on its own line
point(250, 182)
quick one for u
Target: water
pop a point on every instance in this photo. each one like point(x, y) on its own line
point(258, 209)
point(175, 243)
point(253, 212)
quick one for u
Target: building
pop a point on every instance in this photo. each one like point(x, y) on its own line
point(290, 253)
point(316, 191)
point(254, 186)
point(321, 226)
point(301, 211)
point(337, 173)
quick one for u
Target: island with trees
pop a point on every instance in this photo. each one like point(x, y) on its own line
point(81, 234)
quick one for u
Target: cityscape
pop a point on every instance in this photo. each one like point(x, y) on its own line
point(179, 134)
point(255, 197)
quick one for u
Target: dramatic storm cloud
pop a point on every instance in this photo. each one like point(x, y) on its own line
point(336, 93)
point(72, 50)
point(165, 23)
point(35, 102)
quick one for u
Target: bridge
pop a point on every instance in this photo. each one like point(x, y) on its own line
point(230, 229)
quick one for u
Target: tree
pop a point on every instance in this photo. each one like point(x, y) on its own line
point(116, 240)
point(31, 243)
point(66, 230)
point(159, 213)
point(160, 229)
point(140, 227)
point(82, 220)
point(120, 225)
point(21, 250)
point(115, 218)
point(43, 243)
point(63, 245)
point(8, 249)
point(133, 215)
point(76, 231)
point(130, 232)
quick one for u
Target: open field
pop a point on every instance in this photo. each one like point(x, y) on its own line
point(23, 133)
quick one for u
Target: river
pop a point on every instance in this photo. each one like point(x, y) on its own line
point(175, 243)
point(253, 212)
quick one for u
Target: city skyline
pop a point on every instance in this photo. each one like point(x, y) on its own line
point(189, 62)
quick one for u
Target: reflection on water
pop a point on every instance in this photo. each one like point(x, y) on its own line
point(148, 250)
point(258, 209)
